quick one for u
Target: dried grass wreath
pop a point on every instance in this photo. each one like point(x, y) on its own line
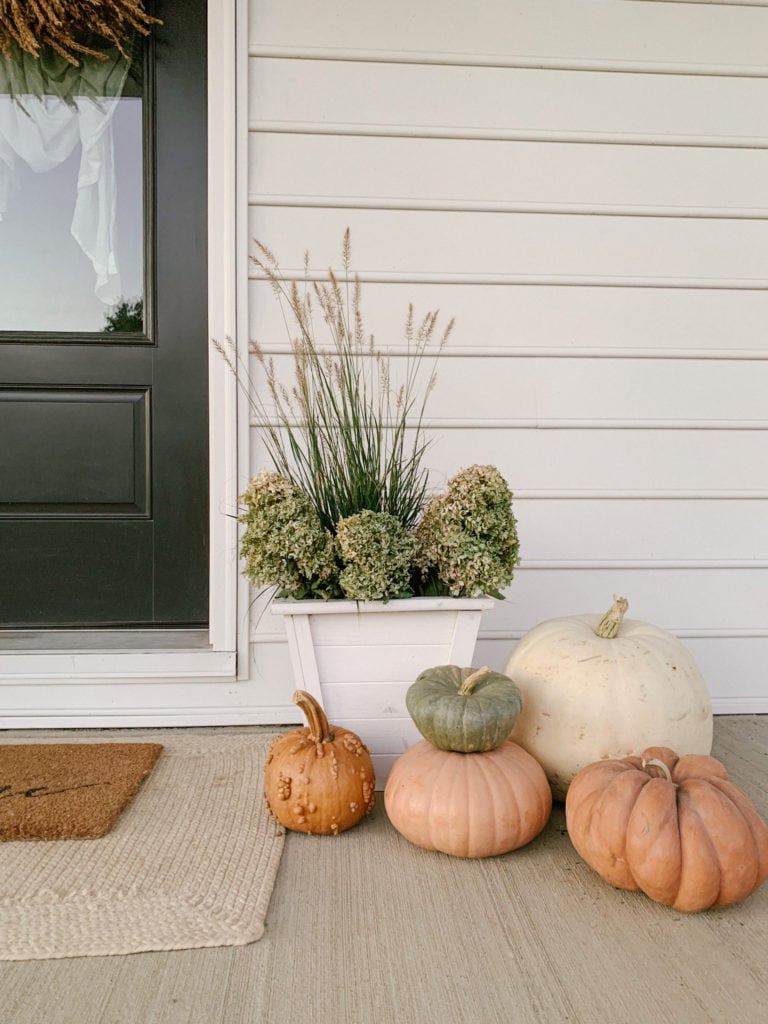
point(69, 26)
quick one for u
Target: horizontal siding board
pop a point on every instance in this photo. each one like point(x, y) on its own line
point(623, 460)
point(592, 530)
point(599, 393)
point(690, 34)
point(520, 245)
point(437, 98)
point(573, 461)
point(321, 168)
point(733, 667)
point(657, 322)
point(709, 601)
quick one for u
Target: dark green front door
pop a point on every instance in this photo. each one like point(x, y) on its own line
point(103, 341)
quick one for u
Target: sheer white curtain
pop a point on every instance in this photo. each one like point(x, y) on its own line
point(43, 128)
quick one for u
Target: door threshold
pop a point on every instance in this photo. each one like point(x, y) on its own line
point(77, 659)
point(34, 640)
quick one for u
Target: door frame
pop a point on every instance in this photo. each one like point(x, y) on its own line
point(137, 683)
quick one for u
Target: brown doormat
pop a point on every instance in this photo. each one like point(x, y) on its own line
point(69, 790)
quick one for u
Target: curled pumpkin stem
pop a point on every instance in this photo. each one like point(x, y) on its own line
point(319, 729)
point(471, 681)
point(611, 622)
point(657, 769)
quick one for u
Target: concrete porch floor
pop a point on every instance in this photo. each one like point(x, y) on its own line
point(367, 928)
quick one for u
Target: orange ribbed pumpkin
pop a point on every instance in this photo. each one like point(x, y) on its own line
point(468, 805)
point(674, 827)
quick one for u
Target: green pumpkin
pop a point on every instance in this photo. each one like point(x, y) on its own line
point(463, 709)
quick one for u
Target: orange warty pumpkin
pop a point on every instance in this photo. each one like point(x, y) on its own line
point(674, 827)
point(318, 778)
point(468, 805)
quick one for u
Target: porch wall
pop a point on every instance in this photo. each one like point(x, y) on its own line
point(585, 187)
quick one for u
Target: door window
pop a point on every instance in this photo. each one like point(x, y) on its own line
point(72, 194)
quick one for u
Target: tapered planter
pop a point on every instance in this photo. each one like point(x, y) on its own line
point(359, 658)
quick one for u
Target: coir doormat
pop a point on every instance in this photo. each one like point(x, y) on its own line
point(69, 790)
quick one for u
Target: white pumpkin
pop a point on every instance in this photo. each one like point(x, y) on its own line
point(605, 687)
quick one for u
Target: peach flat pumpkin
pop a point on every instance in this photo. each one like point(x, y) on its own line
point(674, 827)
point(468, 805)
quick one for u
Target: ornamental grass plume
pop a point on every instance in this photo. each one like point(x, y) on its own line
point(348, 430)
point(468, 543)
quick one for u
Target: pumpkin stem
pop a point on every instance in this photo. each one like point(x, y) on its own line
point(611, 621)
point(468, 685)
point(319, 729)
point(657, 769)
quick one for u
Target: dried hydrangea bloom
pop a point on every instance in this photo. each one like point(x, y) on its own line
point(467, 536)
point(377, 553)
point(284, 544)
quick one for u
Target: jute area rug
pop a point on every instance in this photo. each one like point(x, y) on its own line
point(191, 862)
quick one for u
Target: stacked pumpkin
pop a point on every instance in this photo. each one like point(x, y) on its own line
point(466, 789)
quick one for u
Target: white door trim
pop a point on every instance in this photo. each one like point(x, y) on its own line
point(139, 683)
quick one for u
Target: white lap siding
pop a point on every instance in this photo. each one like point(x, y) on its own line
point(585, 187)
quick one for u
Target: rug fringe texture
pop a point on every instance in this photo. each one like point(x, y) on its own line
point(191, 863)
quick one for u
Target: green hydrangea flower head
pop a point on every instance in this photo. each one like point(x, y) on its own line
point(377, 553)
point(285, 544)
point(468, 543)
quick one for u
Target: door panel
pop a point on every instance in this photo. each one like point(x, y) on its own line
point(96, 564)
point(103, 405)
point(74, 452)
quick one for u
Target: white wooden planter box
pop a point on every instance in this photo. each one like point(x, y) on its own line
point(359, 658)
